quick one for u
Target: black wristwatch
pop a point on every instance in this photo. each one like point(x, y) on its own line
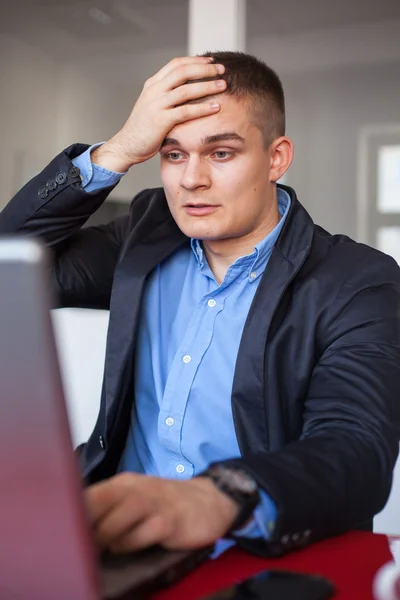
point(239, 485)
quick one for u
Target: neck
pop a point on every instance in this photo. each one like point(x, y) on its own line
point(221, 254)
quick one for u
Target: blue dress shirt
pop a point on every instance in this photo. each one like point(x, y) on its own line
point(188, 340)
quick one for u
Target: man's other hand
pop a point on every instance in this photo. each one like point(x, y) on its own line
point(162, 105)
point(132, 511)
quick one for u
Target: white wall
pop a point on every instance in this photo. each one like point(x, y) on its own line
point(81, 342)
point(96, 101)
point(326, 112)
point(46, 105)
point(29, 82)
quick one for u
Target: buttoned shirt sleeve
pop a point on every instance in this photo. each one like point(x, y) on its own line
point(94, 177)
point(262, 525)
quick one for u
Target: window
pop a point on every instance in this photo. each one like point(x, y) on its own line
point(379, 189)
point(388, 193)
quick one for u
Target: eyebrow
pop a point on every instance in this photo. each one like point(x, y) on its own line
point(210, 139)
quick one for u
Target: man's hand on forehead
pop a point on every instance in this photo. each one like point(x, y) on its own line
point(169, 97)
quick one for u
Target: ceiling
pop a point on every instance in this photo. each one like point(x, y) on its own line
point(103, 27)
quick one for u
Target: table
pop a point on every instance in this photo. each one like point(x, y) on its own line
point(350, 561)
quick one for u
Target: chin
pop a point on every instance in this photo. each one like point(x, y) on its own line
point(200, 233)
point(199, 230)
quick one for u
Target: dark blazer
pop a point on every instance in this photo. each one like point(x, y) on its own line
point(316, 388)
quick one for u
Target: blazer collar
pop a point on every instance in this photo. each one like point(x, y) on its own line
point(160, 231)
point(156, 236)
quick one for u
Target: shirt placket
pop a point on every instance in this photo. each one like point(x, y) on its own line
point(180, 379)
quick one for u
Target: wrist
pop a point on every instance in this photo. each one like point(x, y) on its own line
point(111, 157)
point(239, 486)
point(219, 503)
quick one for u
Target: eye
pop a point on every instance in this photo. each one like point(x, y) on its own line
point(174, 156)
point(222, 154)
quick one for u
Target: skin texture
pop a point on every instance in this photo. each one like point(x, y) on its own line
point(131, 511)
point(236, 176)
point(161, 105)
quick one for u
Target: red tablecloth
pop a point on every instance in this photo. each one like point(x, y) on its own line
point(350, 561)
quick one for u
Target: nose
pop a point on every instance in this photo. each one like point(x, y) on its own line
point(195, 174)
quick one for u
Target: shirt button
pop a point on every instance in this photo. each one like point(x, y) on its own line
point(211, 303)
point(186, 359)
point(253, 275)
point(180, 469)
point(170, 421)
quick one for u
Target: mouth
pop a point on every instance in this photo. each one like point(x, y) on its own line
point(200, 209)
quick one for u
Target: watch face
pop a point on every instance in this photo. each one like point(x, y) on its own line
point(238, 480)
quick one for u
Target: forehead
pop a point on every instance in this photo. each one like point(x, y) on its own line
point(234, 116)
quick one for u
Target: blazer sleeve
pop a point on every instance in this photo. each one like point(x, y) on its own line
point(54, 207)
point(339, 473)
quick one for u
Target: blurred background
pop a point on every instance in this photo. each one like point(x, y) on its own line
point(71, 70)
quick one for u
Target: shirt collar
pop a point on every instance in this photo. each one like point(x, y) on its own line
point(257, 260)
point(197, 251)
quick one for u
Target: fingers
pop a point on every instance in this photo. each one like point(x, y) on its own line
point(155, 112)
point(146, 533)
point(191, 72)
point(121, 519)
point(193, 91)
point(117, 507)
point(178, 62)
point(188, 112)
point(100, 499)
point(133, 511)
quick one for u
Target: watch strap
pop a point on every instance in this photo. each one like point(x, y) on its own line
point(240, 486)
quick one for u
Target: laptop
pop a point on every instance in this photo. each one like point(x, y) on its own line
point(46, 548)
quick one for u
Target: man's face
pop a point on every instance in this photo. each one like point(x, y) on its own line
point(215, 171)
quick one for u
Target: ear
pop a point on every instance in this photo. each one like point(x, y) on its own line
point(281, 153)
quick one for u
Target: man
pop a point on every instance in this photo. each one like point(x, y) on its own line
point(241, 335)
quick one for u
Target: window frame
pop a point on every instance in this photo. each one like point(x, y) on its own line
point(369, 219)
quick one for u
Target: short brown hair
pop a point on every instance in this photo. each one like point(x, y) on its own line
point(251, 80)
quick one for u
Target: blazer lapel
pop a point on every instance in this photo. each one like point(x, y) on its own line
point(139, 259)
point(145, 249)
point(248, 392)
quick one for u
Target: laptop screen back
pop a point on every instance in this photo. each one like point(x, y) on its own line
point(45, 550)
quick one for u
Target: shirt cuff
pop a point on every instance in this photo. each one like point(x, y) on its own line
point(261, 526)
point(263, 522)
point(93, 176)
